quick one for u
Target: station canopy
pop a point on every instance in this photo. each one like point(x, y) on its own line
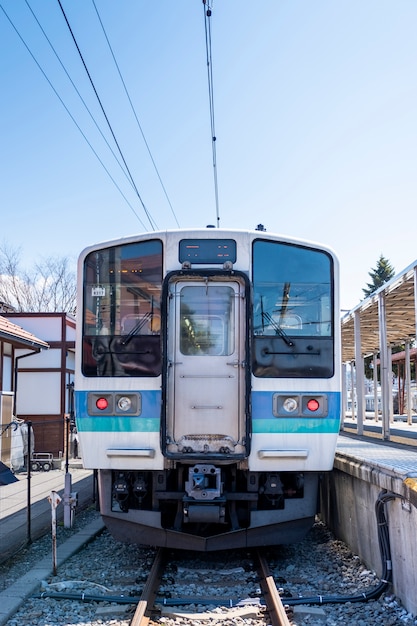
point(400, 309)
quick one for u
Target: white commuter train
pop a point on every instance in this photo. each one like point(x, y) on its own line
point(207, 387)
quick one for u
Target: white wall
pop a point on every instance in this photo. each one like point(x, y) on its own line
point(38, 393)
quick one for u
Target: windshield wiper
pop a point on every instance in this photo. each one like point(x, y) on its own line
point(278, 330)
point(137, 328)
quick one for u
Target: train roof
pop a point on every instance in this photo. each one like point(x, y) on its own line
point(210, 233)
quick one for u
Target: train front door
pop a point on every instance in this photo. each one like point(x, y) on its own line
point(206, 368)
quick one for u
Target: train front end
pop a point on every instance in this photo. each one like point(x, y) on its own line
point(207, 386)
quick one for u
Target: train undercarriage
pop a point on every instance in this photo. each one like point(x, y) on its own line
point(208, 507)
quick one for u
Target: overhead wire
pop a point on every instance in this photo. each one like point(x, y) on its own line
point(134, 113)
point(147, 212)
point(207, 27)
point(79, 94)
point(126, 169)
point(69, 113)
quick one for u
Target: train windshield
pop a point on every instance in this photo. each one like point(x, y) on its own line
point(121, 316)
point(292, 320)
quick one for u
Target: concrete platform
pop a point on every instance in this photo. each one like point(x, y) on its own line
point(399, 430)
point(364, 468)
point(20, 523)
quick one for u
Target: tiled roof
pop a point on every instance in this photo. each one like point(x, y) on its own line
point(19, 336)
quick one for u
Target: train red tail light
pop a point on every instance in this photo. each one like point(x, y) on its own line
point(313, 405)
point(102, 404)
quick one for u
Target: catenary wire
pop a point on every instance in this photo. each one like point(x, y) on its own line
point(70, 114)
point(148, 215)
point(207, 25)
point(134, 113)
point(77, 91)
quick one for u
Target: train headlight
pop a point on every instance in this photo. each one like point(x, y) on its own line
point(124, 403)
point(128, 403)
point(290, 405)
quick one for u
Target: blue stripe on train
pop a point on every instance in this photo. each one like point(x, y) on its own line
point(263, 420)
point(148, 421)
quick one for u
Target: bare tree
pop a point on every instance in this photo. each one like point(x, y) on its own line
point(49, 287)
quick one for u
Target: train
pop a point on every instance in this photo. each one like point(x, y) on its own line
point(208, 385)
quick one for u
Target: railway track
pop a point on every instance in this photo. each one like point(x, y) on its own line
point(145, 604)
point(112, 584)
point(222, 584)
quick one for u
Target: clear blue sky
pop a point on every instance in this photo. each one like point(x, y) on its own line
point(315, 113)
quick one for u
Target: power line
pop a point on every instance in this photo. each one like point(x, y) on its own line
point(78, 93)
point(134, 113)
point(148, 215)
point(69, 113)
point(207, 26)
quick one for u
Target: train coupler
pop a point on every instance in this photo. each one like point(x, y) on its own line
point(204, 482)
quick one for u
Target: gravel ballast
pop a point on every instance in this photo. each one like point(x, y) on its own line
point(319, 565)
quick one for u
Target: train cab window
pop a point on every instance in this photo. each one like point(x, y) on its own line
point(121, 316)
point(207, 321)
point(292, 314)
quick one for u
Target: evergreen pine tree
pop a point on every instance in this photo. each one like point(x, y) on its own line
point(379, 275)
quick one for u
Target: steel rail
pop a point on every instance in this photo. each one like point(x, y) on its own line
point(273, 601)
point(147, 598)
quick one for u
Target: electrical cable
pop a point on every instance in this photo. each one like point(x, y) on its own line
point(207, 27)
point(134, 113)
point(78, 93)
point(385, 551)
point(148, 215)
point(70, 114)
point(365, 596)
